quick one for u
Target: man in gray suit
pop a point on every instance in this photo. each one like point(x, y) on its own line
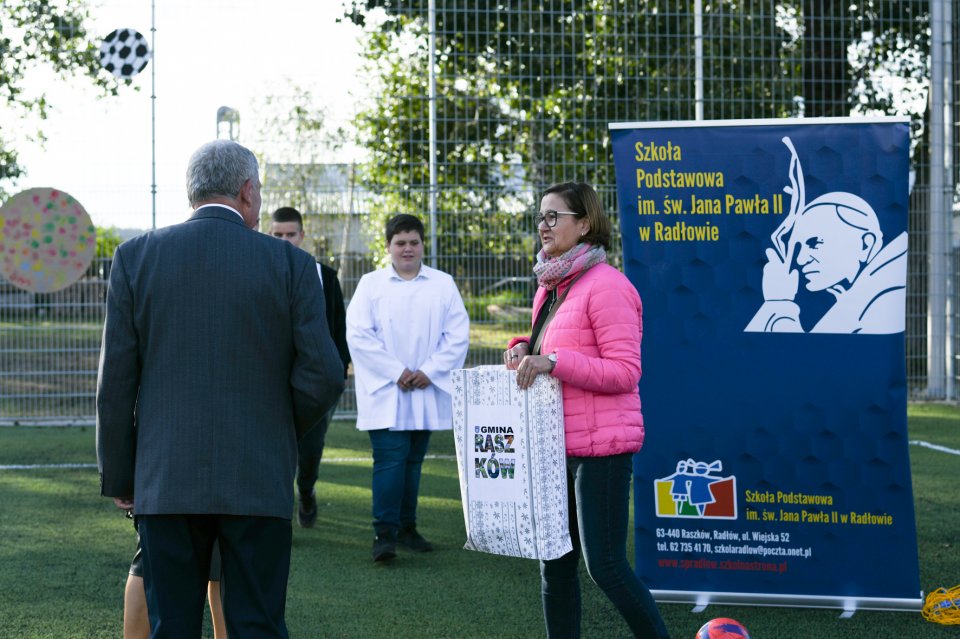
point(216, 357)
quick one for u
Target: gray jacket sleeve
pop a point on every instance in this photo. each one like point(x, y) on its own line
point(118, 382)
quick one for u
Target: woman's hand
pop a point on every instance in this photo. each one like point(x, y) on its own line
point(531, 366)
point(512, 356)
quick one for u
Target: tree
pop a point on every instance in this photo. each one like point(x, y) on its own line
point(869, 57)
point(294, 129)
point(297, 148)
point(107, 242)
point(35, 34)
point(525, 92)
point(826, 76)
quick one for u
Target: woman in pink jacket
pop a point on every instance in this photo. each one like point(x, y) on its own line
point(586, 333)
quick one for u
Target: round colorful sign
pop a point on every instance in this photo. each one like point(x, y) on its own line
point(47, 240)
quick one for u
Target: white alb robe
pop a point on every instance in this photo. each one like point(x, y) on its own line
point(419, 324)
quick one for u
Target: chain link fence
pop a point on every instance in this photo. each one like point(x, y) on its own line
point(519, 96)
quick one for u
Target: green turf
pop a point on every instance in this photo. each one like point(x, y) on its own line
point(64, 554)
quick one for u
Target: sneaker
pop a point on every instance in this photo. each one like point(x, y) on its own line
point(307, 510)
point(409, 538)
point(384, 547)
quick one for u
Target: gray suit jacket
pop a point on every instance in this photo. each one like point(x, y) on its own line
point(216, 356)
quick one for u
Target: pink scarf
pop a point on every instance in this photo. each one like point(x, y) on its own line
point(550, 271)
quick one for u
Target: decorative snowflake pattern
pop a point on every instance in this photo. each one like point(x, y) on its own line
point(531, 520)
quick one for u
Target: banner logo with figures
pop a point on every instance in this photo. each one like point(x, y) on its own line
point(697, 490)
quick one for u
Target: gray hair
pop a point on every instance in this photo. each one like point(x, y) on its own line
point(219, 169)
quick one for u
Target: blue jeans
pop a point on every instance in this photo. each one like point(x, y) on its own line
point(598, 490)
point(397, 460)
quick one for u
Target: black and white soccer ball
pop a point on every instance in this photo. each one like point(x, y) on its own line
point(124, 53)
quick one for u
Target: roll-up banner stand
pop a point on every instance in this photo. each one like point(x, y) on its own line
point(771, 257)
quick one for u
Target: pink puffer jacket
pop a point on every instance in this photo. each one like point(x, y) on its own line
point(596, 335)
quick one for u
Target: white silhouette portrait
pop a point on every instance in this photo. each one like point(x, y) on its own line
point(835, 244)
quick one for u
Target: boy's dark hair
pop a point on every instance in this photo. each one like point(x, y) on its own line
point(403, 223)
point(288, 214)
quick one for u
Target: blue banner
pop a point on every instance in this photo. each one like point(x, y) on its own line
point(771, 260)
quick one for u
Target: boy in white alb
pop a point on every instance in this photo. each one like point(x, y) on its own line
point(407, 328)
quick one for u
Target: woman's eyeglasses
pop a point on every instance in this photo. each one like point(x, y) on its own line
point(550, 217)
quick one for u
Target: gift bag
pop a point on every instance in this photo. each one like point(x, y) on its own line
point(511, 460)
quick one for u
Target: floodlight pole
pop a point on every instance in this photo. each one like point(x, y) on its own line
point(231, 117)
point(940, 383)
point(153, 116)
point(432, 162)
point(698, 57)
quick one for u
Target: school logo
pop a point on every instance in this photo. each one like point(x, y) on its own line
point(836, 245)
point(697, 491)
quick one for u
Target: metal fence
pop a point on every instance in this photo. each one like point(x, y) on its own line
point(49, 350)
point(518, 96)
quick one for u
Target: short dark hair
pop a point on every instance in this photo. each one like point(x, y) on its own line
point(403, 223)
point(584, 201)
point(288, 214)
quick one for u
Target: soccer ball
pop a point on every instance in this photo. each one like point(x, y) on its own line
point(722, 628)
point(124, 53)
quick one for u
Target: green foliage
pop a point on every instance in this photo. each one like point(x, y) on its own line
point(889, 62)
point(42, 33)
point(525, 93)
point(107, 242)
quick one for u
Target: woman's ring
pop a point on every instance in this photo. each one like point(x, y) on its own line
point(514, 356)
